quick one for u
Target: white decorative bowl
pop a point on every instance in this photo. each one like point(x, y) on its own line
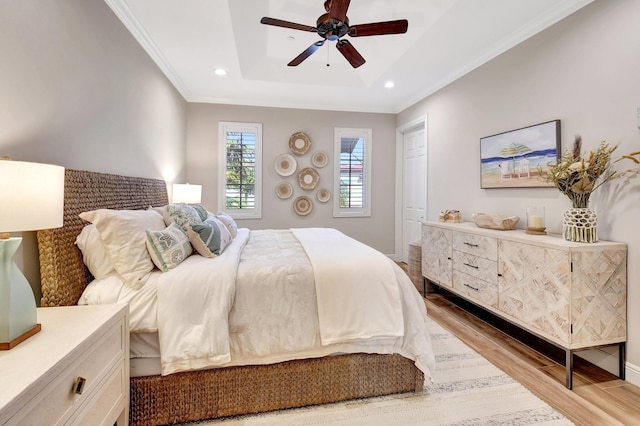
point(495, 221)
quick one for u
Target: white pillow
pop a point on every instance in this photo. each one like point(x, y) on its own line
point(168, 248)
point(123, 233)
point(94, 253)
point(229, 223)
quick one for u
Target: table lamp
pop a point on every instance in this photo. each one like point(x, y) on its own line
point(186, 193)
point(32, 197)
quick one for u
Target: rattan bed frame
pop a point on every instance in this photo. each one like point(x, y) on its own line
point(182, 397)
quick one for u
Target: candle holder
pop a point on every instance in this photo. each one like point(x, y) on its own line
point(535, 221)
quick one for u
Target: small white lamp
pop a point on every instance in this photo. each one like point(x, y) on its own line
point(186, 193)
point(31, 198)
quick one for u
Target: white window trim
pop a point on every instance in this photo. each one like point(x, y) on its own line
point(230, 126)
point(365, 211)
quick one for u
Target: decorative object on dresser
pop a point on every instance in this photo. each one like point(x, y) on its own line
point(75, 372)
point(535, 221)
point(577, 176)
point(450, 216)
point(32, 199)
point(495, 221)
point(186, 193)
point(208, 393)
point(544, 284)
point(515, 159)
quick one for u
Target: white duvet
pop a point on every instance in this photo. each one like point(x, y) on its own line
point(257, 304)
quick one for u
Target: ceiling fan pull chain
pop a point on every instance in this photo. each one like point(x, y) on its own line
point(328, 64)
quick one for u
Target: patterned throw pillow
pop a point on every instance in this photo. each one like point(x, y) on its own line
point(201, 210)
point(168, 248)
point(229, 223)
point(209, 238)
point(182, 214)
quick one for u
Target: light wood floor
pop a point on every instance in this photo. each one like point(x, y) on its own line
point(597, 398)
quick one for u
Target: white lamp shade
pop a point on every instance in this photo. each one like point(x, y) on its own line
point(186, 193)
point(31, 196)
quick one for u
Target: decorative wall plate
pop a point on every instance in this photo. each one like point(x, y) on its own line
point(299, 143)
point(303, 205)
point(308, 178)
point(284, 190)
point(323, 195)
point(320, 159)
point(286, 165)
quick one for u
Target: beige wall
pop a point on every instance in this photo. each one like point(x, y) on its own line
point(584, 71)
point(278, 124)
point(77, 90)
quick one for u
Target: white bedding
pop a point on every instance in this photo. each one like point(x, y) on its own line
point(268, 313)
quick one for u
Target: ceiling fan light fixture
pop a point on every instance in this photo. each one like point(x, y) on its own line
point(220, 71)
point(334, 25)
point(389, 84)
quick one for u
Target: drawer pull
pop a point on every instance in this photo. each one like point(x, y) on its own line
point(471, 245)
point(469, 265)
point(471, 287)
point(78, 386)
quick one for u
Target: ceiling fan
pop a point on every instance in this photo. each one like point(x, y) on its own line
point(334, 25)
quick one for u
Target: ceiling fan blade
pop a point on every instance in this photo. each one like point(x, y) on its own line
point(379, 28)
point(350, 53)
point(304, 55)
point(287, 24)
point(338, 10)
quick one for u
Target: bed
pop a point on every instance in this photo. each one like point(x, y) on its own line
point(184, 396)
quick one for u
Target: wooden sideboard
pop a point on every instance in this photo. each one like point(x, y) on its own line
point(573, 295)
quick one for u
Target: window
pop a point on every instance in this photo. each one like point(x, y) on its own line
point(352, 172)
point(240, 179)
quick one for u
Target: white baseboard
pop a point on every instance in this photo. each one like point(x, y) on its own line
point(632, 374)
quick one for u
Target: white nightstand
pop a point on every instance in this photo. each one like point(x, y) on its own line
point(75, 371)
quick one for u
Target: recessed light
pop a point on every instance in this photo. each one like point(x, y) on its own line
point(389, 84)
point(220, 71)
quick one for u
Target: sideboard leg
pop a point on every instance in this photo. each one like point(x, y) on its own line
point(622, 353)
point(569, 368)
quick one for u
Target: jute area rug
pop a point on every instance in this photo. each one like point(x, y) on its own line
point(468, 390)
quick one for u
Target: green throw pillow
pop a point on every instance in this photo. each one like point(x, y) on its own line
point(168, 248)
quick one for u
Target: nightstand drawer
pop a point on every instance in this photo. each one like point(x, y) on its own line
point(108, 401)
point(94, 360)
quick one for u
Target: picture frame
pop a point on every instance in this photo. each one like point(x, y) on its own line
point(516, 159)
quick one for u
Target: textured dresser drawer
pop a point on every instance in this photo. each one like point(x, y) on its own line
point(476, 266)
point(478, 245)
point(474, 289)
point(57, 402)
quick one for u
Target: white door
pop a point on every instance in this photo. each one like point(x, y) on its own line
point(414, 187)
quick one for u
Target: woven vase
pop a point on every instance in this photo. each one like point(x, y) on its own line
point(580, 224)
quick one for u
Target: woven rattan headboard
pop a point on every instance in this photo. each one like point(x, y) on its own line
point(62, 272)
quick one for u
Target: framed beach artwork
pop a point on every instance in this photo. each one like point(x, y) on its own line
point(515, 159)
